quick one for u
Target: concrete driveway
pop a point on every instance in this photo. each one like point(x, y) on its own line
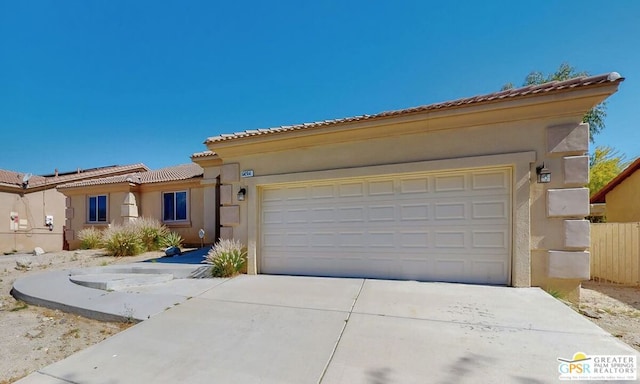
point(283, 329)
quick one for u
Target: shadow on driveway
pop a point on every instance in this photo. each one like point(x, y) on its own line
point(192, 257)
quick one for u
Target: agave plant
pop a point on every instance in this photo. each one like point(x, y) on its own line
point(171, 239)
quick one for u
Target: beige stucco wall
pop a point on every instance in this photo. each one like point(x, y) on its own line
point(522, 136)
point(151, 206)
point(211, 166)
point(32, 206)
point(148, 200)
point(76, 213)
point(443, 147)
point(623, 202)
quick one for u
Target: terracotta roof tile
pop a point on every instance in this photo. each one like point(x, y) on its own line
point(199, 155)
point(178, 172)
point(175, 173)
point(551, 87)
point(100, 172)
point(14, 179)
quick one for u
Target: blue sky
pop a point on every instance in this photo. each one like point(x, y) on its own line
point(92, 83)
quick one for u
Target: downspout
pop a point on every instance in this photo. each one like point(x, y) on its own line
point(217, 211)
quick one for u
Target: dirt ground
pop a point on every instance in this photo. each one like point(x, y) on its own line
point(32, 337)
point(614, 308)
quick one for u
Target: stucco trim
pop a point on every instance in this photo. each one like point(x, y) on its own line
point(520, 162)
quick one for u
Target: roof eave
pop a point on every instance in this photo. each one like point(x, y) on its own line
point(76, 187)
point(608, 88)
point(601, 195)
point(557, 105)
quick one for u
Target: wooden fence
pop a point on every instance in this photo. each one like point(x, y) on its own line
point(615, 253)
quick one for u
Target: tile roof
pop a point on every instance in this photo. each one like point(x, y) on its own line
point(175, 173)
point(516, 93)
point(199, 155)
point(14, 179)
point(600, 196)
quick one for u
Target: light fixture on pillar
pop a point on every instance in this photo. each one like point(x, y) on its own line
point(544, 175)
point(242, 193)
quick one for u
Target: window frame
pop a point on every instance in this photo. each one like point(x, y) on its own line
point(97, 209)
point(175, 207)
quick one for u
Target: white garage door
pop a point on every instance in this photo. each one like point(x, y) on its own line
point(450, 226)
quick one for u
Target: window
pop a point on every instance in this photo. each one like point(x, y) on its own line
point(174, 207)
point(97, 209)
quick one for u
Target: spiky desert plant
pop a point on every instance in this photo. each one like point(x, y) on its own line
point(150, 231)
point(171, 239)
point(227, 257)
point(122, 240)
point(90, 238)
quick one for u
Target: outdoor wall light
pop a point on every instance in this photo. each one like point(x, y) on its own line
point(544, 175)
point(242, 193)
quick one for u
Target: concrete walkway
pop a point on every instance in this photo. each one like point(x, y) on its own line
point(282, 329)
point(124, 292)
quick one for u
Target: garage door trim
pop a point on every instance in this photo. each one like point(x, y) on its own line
point(522, 163)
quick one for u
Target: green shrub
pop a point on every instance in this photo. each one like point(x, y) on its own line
point(227, 258)
point(150, 232)
point(171, 239)
point(90, 238)
point(123, 240)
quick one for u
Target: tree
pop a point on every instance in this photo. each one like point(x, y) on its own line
point(595, 116)
point(605, 164)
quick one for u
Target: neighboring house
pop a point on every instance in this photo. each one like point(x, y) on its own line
point(621, 196)
point(33, 212)
point(441, 192)
point(172, 195)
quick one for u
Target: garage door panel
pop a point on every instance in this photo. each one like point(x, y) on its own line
point(451, 211)
point(446, 269)
point(382, 188)
point(416, 268)
point(272, 240)
point(489, 239)
point(386, 240)
point(298, 240)
point(297, 216)
point(455, 237)
point(412, 186)
point(322, 215)
point(351, 190)
point(490, 209)
point(350, 214)
point(486, 272)
point(446, 227)
point(413, 239)
point(449, 239)
point(382, 213)
point(320, 192)
point(450, 183)
point(490, 180)
point(414, 212)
